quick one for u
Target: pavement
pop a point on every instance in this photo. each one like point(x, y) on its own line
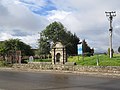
point(98, 74)
point(48, 80)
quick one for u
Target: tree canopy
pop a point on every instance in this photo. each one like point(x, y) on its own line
point(57, 32)
point(87, 51)
point(15, 44)
point(119, 49)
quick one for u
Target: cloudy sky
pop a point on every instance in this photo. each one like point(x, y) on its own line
point(24, 19)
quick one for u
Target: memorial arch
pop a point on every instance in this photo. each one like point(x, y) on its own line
point(58, 52)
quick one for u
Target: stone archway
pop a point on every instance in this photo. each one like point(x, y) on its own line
point(58, 57)
point(58, 53)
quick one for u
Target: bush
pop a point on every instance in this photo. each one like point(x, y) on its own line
point(1, 63)
point(4, 64)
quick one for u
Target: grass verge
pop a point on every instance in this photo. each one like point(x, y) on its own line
point(103, 60)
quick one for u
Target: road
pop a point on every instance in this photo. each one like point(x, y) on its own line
point(10, 80)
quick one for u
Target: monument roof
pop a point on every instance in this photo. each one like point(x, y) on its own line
point(58, 45)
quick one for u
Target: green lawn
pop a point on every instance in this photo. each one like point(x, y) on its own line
point(42, 60)
point(104, 60)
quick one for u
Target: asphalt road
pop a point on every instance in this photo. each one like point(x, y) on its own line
point(55, 81)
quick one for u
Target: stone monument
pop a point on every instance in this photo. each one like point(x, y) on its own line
point(13, 56)
point(58, 53)
point(31, 59)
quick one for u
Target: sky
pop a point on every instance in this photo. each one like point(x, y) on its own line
point(25, 19)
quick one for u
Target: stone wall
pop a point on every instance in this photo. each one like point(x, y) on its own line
point(78, 68)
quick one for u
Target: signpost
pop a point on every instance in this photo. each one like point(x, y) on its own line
point(79, 47)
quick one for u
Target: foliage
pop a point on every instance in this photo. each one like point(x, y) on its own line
point(39, 60)
point(57, 32)
point(1, 63)
point(119, 49)
point(2, 48)
point(42, 60)
point(109, 52)
point(15, 44)
point(87, 51)
point(104, 60)
point(4, 64)
point(44, 46)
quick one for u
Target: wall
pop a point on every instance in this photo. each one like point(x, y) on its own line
point(68, 67)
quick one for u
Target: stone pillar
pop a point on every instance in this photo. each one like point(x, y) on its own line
point(54, 56)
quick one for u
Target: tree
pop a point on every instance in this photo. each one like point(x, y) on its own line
point(2, 48)
point(119, 49)
point(57, 32)
point(44, 46)
point(16, 44)
point(87, 51)
point(109, 52)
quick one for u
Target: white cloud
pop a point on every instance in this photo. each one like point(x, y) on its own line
point(18, 19)
point(58, 15)
point(88, 21)
point(21, 17)
point(84, 17)
point(30, 39)
point(5, 36)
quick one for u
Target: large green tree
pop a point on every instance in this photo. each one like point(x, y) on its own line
point(2, 48)
point(57, 32)
point(44, 46)
point(14, 45)
point(119, 49)
point(87, 51)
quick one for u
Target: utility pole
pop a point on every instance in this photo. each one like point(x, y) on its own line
point(110, 16)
